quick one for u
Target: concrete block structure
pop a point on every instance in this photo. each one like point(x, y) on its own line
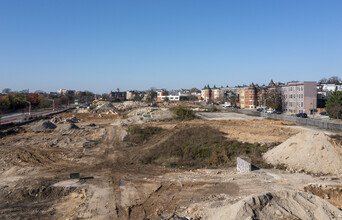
point(243, 165)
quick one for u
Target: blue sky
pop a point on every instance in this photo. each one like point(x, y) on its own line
point(104, 45)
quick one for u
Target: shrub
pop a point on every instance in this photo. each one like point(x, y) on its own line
point(184, 114)
point(198, 147)
point(140, 135)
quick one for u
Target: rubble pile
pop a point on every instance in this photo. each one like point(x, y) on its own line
point(104, 107)
point(129, 105)
point(43, 125)
point(61, 120)
point(73, 119)
point(66, 127)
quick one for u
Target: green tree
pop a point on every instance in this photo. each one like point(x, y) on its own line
point(334, 104)
point(4, 103)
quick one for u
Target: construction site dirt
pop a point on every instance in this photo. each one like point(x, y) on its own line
point(159, 167)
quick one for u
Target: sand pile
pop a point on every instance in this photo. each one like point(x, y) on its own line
point(308, 151)
point(279, 205)
point(43, 126)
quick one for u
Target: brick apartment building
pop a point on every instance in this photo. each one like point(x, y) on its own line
point(251, 97)
point(299, 97)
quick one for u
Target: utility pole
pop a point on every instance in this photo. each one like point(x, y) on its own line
point(313, 108)
point(53, 104)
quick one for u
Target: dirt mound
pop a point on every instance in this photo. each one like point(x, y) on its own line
point(67, 127)
point(331, 193)
point(309, 151)
point(43, 126)
point(279, 205)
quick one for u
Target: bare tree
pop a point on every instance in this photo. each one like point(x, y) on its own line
point(323, 80)
point(6, 91)
point(334, 79)
point(273, 99)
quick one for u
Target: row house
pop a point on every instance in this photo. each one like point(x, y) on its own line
point(210, 94)
point(299, 97)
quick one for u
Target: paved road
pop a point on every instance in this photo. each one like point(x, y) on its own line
point(19, 117)
point(225, 116)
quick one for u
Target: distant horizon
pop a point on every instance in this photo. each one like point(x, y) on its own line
point(157, 88)
point(101, 46)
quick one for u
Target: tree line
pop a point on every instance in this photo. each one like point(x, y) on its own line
point(12, 101)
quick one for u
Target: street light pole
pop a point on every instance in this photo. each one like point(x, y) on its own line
point(29, 107)
point(53, 104)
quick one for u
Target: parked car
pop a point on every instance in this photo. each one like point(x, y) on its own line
point(302, 115)
point(324, 113)
point(269, 111)
point(276, 112)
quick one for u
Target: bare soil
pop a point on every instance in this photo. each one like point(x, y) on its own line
point(35, 169)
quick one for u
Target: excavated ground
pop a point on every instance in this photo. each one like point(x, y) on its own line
point(116, 184)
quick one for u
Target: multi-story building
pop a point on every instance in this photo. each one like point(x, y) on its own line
point(117, 95)
point(161, 95)
point(65, 92)
point(134, 95)
point(251, 97)
point(210, 94)
point(299, 97)
point(242, 98)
